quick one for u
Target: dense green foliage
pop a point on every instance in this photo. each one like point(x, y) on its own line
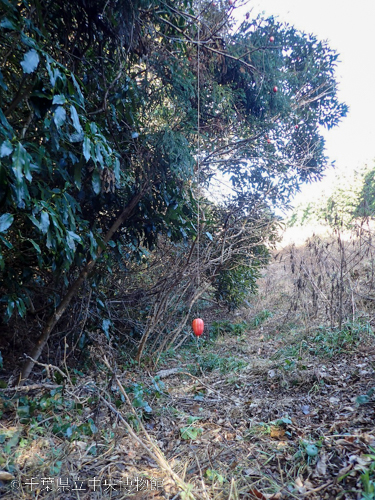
point(348, 197)
point(98, 126)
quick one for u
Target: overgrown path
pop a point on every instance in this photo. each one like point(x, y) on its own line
point(262, 411)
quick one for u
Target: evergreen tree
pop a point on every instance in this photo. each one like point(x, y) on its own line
point(98, 132)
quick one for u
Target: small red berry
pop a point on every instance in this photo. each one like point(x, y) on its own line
point(268, 140)
point(275, 89)
point(272, 39)
point(296, 127)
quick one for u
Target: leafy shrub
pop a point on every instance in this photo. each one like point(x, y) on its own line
point(228, 328)
point(260, 318)
point(211, 361)
point(329, 342)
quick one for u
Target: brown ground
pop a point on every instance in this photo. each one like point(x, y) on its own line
point(277, 416)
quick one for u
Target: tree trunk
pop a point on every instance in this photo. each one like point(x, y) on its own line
point(73, 289)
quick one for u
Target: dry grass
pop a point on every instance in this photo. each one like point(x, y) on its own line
point(271, 411)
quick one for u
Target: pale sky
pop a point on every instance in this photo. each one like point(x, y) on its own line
point(349, 28)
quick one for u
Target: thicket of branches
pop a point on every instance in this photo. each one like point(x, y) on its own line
point(99, 139)
point(334, 276)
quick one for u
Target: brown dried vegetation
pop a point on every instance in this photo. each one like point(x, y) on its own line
point(278, 405)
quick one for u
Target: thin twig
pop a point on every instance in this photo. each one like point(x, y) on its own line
point(33, 387)
point(319, 488)
point(151, 448)
point(48, 367)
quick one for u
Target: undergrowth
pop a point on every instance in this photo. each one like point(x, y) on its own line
point(210, 361)
point(326, 342)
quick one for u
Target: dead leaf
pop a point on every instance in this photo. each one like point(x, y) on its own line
point(342, 472)
point(299, 482)
point(277, 432)
point(349, 408)
point(345, 442)
point(321, 466)
point(272, 374)
point(369, 439)
point(362, 462)
point(251, 472)
point(300, 486)
point(254, 493)
point(81, 445)
point(5, 476)
point(281, 445)
point(334, 400)
point(306, 409)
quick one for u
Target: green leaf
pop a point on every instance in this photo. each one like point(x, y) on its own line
point(35, 222)
point(7, 24)
point(105, 326)
point(44, 222)
point(6, 242)
point(363, 399)
point(213, 475)
point(59, 99)
point(284, 420)
point(312, 450)
point(98, 154)
point(192, 419)
point(5, 122)
point(18, 160)
point(209, 236)
point(3, 85)
point(6, 149)
point(77, 175)
point(93, 427)
point(10, 308)
point(21, 170)
point(30, 61)
point(81, 99)
point(87, 148)
point(138, 402)
point(16, 436)
point(190, 432)
point(93, 245)
point(56, 222)
point(21, 307)
point(6, 221)
point(147, 408)
point(116, 169)
point(71, 238)
point(96, 182)
point(75, 119)
point(59, 116)
point(53, 73)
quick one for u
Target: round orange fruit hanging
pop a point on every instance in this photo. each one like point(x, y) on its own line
point(198, 327)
